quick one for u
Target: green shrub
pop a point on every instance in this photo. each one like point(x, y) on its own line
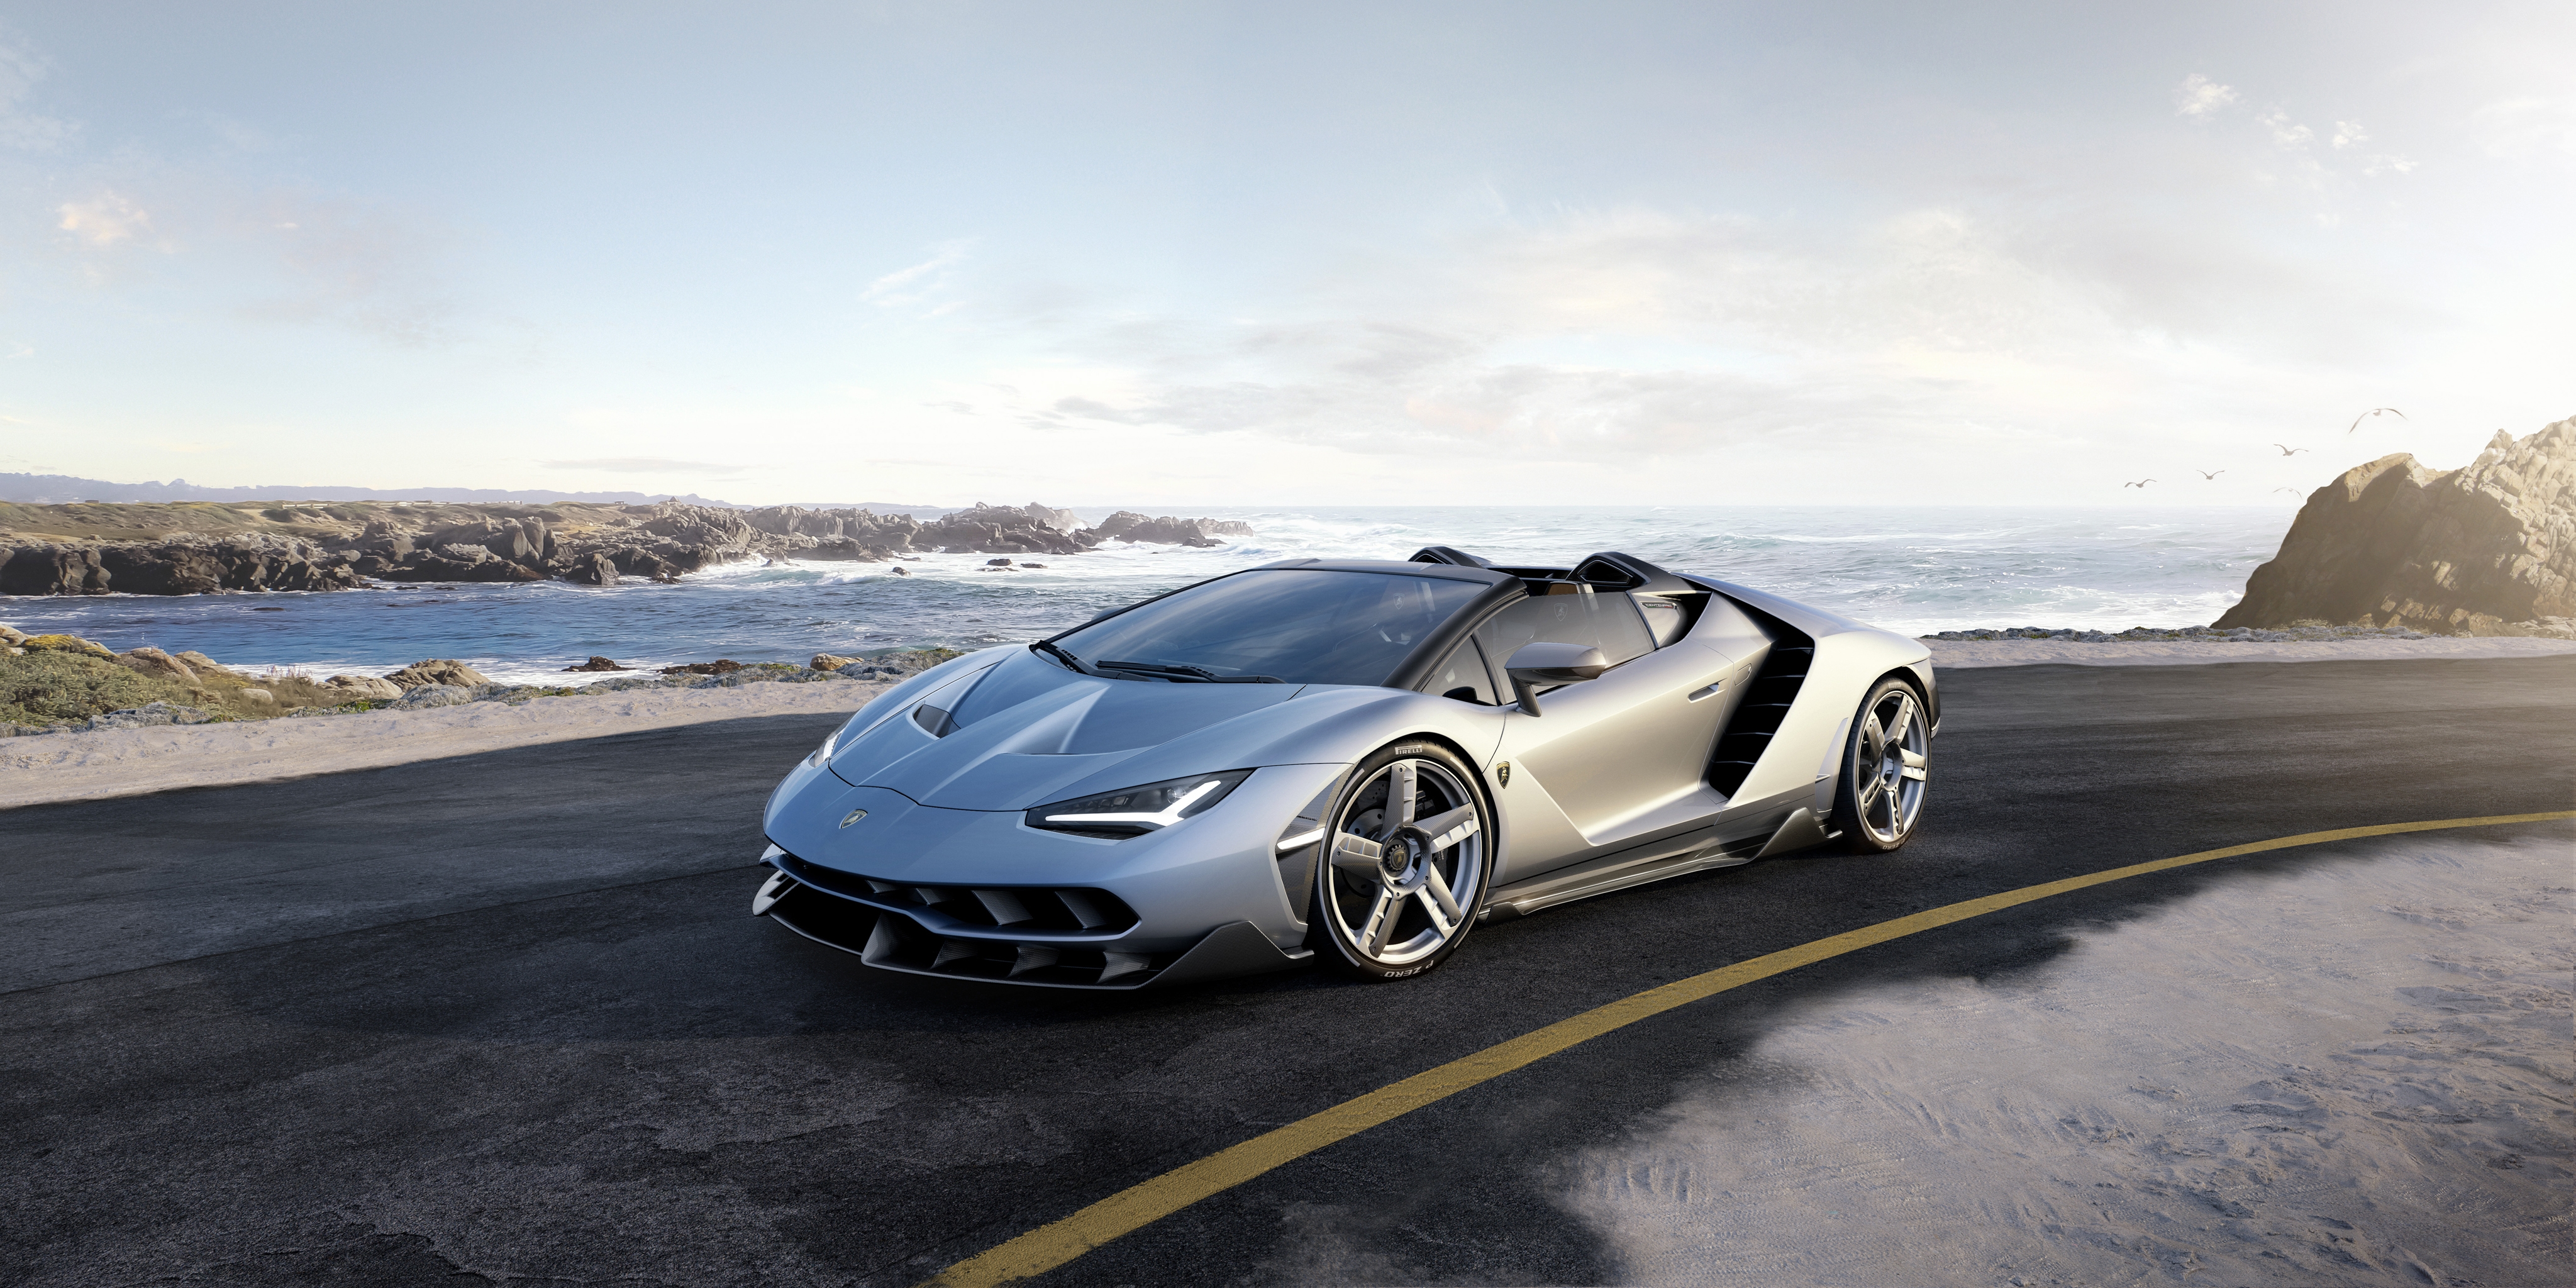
point(55, 686)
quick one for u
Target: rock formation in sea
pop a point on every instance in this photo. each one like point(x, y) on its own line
point(206, 548)
point(2486, 549)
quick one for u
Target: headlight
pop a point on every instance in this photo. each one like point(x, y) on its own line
point(823, 754)
point(1135, 811)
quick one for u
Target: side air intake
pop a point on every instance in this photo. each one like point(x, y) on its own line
point(1766, 703)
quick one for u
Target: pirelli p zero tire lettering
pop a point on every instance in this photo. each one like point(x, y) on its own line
point(1407, 857)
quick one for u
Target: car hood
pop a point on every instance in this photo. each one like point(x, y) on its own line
point(1069, 735)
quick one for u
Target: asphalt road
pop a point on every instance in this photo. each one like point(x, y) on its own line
point(504, 1015)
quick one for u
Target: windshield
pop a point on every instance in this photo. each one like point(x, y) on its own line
point(1299, 626)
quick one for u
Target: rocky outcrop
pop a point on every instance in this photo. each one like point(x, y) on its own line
point(437, 671)
point(152, 661)
point(2487, 549)
point(366, 687)
point(1126, 525)
point(305, 548)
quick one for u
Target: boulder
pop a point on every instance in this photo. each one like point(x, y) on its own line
point(598, 663)
point(152, 661)
point(365, 686)
point(258, 695)
point(593, 569)
point(2487, 549)
point(446, 671)
point(12, 636)
point(834, 662)
point(204, 665)
point(901, 571)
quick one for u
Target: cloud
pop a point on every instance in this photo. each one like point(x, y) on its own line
point(2200, 98)
point(1652, 334)
point(20, 70)
point(2349, 134)
point(2286, 132)
point(645, 465)
point(912, 285)
point(2525, 129)
point(104, 220)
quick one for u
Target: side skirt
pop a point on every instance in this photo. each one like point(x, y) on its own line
point(1798, 830)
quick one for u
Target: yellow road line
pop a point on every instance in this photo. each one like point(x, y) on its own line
point(1058, 1242)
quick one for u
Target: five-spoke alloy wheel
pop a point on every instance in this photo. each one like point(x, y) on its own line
point(1885, 766)
point(1405, 864)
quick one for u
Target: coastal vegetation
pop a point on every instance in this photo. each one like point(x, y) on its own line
point(63, 682)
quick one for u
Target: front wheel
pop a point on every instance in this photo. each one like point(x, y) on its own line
point(1879, 799)
point(1406, 860)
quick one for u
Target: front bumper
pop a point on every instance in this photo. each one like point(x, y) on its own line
point(975, 894)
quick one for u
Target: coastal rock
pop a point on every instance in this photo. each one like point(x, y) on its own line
point(308, 546)
point(12, 636)
point(204, 665)
point(434, 695)
point(834, 662)
point(2487, 549)
point(152, 661)
point(50, 569)
point(598, 663)
point(721, 666)
point(257, 695)
point(162, 570)
point(1127, 525)
point(447, 671)
point(365, 686)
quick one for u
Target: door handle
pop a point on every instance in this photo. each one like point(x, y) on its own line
point(1708, 690)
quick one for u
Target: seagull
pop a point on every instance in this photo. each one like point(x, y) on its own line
point(2291, 490)
point(2287, 450)
point(2356, 421)
point(2209, 475)
point(2141, 483)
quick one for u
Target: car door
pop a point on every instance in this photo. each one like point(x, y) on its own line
point(1613, 759)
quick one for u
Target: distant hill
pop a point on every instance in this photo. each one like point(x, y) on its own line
point(62, 489)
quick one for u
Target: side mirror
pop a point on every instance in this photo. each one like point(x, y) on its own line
point(1537, 664)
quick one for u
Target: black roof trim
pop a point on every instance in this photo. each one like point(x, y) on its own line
point(1392, 568)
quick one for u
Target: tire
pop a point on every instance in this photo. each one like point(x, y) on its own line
point(1391, 900)
point(1878, 800)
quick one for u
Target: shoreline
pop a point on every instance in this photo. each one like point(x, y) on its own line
point(111, 762)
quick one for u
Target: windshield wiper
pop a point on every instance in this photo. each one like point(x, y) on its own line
point(1187, 674)
point(1048, 647)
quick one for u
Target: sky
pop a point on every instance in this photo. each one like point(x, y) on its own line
point(1276, 255)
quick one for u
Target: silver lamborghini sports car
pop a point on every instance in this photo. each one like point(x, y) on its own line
point(1349, 761)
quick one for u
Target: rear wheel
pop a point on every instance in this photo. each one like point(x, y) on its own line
point(1405, 864)
point(1885, 766)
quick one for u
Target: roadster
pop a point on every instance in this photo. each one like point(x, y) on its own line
point(1344, 761)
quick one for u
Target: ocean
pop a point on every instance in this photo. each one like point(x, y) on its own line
point(1915, 569)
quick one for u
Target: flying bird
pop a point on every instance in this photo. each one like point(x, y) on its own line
point(2287, 450)
point(2291, 490)
point(2356, 421)
point(2209, 475)
point(2139, 484)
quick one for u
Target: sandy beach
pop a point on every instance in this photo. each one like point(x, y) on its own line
point(129, 762)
